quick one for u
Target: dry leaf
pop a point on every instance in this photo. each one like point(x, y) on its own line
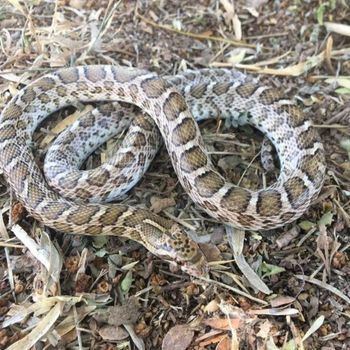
point(222, 323)
point(314, 327)
point(236, 238)
point(113, 333)
point(254, 5)
point(69, 323)
point(210, 251)
point(212, 306)
point(159, 204)
point(40, 329)
point(229, 10)
point(284, 239)
point(231, 17)
point(224, 344)
point(120, 314)
point(178, 338)
point(281, 300)
point(323, 248)
point(212, 340)
point(77, 4)
point(265, 328)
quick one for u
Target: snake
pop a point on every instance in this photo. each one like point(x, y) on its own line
point(171, 103)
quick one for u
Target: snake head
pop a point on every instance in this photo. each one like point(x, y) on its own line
point(186, 253)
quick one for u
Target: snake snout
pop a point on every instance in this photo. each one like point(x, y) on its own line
point(198, 269)
point(188, 254)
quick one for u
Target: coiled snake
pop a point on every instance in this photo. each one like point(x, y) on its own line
point(300, 151)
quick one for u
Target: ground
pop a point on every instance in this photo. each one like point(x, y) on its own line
point(285, 289)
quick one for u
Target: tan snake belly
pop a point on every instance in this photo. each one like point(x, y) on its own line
point(297, 143)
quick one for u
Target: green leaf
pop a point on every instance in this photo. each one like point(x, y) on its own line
point(345, 143)
point(306, 225)
point(333, 4)
point(326, 219)
point(343, 82)
point(101, 253)
point(99, 241)
point(177, 24)
point(343, 91)
point(320, 12)
point(270, 345)
point(270, 270)
point(126, 283)
point(290, 345)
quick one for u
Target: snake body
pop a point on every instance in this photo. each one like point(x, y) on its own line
point(300, 151)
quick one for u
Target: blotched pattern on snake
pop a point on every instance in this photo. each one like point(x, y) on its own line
point(208, 92)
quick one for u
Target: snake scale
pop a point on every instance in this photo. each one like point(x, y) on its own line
point(301, 154)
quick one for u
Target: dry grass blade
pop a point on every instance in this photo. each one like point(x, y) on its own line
point(294, 70)
point(11, 245)
point(237, 239)
point(138, 342)
point(275, 312)
point(314, 327)
point(339, 28)
point(40, 330)
point(64, 124)
point(16, 4)
point(231, 16)
point(324, 286)
point(5, 236)
point(70, 321)
point(328, 54)
point(106, 23)
point(45, 252)
point(39, 308)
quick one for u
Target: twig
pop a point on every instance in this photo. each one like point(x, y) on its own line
point(330, 126)
point(235, 290)
point(247, 168)
point(194, 35)
point(271, 35)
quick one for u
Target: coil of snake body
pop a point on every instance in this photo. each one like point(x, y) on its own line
point(170, 103)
